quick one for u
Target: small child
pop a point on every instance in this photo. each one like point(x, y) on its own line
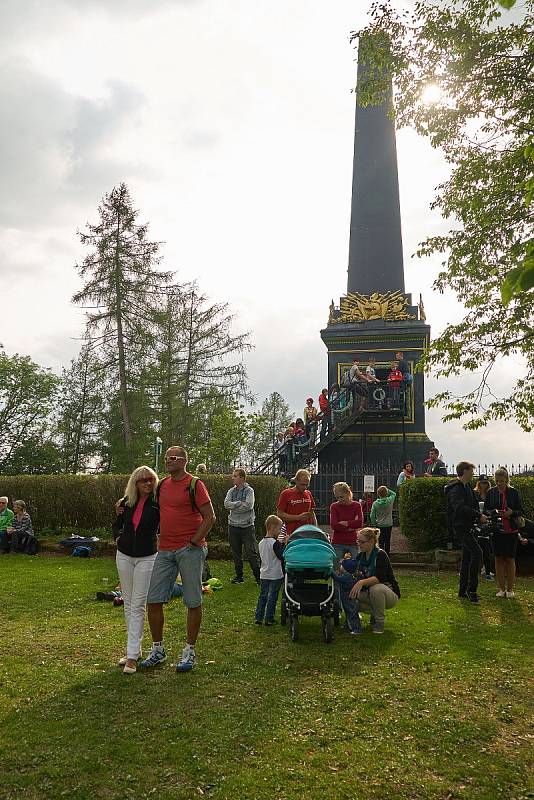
point(345, 579)
point(382, 515)
point(271, 573)
point(395, 379)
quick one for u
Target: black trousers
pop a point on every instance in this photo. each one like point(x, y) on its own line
point(471, 561)
point(240, 538)
point(385, 538)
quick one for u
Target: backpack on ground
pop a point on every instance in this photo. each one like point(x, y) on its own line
point(81, 551)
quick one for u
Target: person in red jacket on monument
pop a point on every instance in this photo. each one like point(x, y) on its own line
point(324, 413)
point(395, 379)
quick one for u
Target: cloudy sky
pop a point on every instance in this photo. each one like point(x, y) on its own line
point(232, 123)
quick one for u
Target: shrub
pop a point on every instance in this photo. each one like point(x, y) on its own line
point(72, 503)
point(423, 510)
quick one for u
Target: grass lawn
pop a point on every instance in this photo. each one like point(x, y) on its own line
point(440, 706)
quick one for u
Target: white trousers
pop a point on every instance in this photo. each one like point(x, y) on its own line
point(134, 575)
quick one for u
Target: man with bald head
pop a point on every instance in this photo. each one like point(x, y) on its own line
point(186, 517)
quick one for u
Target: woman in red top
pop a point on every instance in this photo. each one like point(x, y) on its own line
point(346, 518)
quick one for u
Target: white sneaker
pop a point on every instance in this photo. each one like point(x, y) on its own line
point(510, 595)
point(188, 660)
point(500, 594)
point(130, 670)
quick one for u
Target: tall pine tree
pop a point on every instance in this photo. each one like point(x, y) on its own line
point(121, 291)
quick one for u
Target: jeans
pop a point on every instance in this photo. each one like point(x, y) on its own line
point(471, 561)
point(244, 537)
point(268, 599)
point(341, 549)
point(134, 575)
point(351, 607)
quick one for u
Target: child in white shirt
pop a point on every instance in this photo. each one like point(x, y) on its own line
point(271, 572)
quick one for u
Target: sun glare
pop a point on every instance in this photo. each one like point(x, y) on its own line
point(432, 93)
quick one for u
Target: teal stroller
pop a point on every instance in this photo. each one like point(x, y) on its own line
point(309, 587)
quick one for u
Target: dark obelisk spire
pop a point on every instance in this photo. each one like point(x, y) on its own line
point(375, 251)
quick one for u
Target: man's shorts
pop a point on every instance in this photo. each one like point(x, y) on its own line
point(189, 562)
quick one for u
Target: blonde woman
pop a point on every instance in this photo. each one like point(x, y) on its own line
point(346, 518)
point(135, 531)
point(373, 587)
point(507, 501)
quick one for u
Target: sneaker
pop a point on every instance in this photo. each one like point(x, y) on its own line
point(155, 657)
point(500, 594)
point(188, 660)
point(377, 629)
point(510, 595)
point(237, 580)
point(463, 596)
point(473, 597)
point(356, 633)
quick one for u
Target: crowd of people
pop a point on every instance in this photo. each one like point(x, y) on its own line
point(361, 388)
point(161, 528)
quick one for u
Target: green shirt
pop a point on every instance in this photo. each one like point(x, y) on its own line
point(6, 518)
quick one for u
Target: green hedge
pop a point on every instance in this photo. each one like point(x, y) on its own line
point(422, 508)
point(71, 503)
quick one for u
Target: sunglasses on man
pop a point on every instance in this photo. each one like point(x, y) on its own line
point(174, 458)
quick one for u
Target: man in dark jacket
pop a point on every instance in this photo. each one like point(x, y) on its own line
point(435, 466)
point(462, 507)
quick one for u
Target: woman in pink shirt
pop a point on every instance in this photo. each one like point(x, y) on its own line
point(346, 518)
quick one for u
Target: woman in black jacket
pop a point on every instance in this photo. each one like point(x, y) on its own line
point(135, 531)
point(506, 500)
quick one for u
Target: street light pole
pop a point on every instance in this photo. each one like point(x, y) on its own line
point(157, 451)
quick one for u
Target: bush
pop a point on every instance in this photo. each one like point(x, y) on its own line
point(72, 503)
point(423, 511)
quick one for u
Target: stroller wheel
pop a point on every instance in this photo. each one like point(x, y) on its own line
point(283, 612)
point(327, 628)
point(294, 627)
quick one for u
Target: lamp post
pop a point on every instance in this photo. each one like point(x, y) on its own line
point(157, 452)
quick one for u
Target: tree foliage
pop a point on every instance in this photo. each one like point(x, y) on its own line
point(483, 122)
point(27, 397)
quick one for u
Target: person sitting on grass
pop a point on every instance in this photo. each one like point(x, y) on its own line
point(372, 587)
point(271, 572)
point(21, 529)
point(6, 521)
point(382, 515)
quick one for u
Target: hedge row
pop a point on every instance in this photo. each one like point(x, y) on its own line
point(423, 514)
point(71, 503)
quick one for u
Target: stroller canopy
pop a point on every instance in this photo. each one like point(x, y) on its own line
point(308, 548)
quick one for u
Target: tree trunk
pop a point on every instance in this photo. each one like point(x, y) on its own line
point(79, 431)
point(123, 385)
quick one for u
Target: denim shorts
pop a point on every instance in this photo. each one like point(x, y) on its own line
point(189, 562)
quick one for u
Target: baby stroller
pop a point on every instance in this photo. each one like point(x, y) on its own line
point(309, 587)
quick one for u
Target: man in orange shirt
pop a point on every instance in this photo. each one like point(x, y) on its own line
point(296, 505)
point(186, 517)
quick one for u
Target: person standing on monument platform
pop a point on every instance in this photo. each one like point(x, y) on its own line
point(358, 386)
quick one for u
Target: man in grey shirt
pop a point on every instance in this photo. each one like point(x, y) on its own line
point(241, 531)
